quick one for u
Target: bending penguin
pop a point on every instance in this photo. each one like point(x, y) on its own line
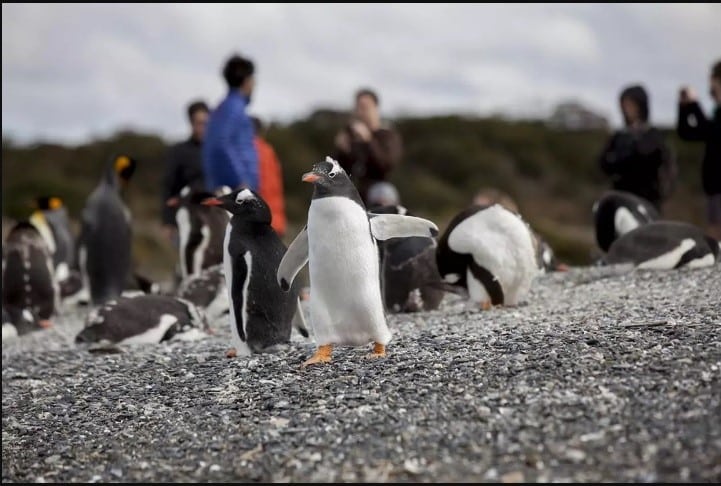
point(29, 291)
point(200, 229)
point(664, 245)
point(105, 238)
point(144, 319)
point(491, 252)
point(339, 244)
point(261, 315)
point(618, 212)
point(207, 291)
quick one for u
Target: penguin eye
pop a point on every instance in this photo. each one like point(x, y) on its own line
point(332, 174)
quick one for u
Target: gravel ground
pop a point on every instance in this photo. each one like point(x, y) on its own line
point(601, 376)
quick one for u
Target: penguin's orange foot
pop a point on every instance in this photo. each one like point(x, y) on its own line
point(231, 353)
point(486, 305)
point(379, 351)
point(322, 355)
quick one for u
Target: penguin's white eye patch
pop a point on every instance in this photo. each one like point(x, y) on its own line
point(27, 315)
point(244, 195)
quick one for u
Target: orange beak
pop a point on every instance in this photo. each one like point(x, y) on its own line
point(172, 202)
point(45, 323)
point(212, 201)
point(310, 177)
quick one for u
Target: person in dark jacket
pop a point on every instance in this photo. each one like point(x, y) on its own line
point(637, 158)
point(694, 126)
point(366, 149)
point(184, 164)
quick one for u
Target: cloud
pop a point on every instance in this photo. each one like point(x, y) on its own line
point(71, 72)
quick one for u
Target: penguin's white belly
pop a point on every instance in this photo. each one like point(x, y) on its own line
point(502, 243)
point(346, 305)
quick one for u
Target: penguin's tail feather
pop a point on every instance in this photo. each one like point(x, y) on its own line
point(299, 320)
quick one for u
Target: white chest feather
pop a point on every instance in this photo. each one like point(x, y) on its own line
point(182, 217)
point(346, 307)
point(199, 253)
point(154, 334)
point(624, 221)
point(502, 243)
point(241, 346)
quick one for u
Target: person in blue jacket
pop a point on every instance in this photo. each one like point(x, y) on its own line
point(229, 155)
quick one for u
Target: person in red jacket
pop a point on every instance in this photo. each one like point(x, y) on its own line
point(270, 178)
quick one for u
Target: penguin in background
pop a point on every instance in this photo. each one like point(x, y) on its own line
point(410, 281)
point(664, 245)
point(207, 291)
point(104, 249)
point(51, 219)
point(491, 252)
point(261, 314)
point(139, 319)
point(618, 212)
point(339, 245)
point(201, 230)
point(30, 293)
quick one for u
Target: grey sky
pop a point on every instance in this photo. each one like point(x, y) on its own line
point(70, 72)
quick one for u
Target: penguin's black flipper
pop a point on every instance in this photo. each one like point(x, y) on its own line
point(385, 226)
point(293, 260)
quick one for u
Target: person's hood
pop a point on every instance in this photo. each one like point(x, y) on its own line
point(639, 96)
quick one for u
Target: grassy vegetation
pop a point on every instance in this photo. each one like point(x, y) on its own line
point(553, 176)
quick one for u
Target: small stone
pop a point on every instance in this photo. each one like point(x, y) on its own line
point(513, 477)
point(213, 468)
point(412, 466)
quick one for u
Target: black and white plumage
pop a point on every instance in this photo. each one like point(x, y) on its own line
point(200, 230)
point(339, 244)
point(143, 319)
point(410, 281)
point(618, 212)
point(664, 245)
point(207, 291)
point(545, 255)
point(104, 249)
point(52, 221)
point(30, 293)
point(489, 251)
point(261, 315)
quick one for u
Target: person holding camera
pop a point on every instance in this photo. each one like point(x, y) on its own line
point(366, 149)
point(694, 126)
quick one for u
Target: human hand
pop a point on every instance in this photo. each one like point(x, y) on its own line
point(687, 95)
point(342, 141)
point(361, 130)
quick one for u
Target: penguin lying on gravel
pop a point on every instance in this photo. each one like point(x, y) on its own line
point(339, 244)
point(410, 281)
point(664, 245)
point(29, 291)
point(143, 319)
point(490, 251)
point(618, 212)
point(200, 230)
point(207, 291)
point(261, 315)
point(105, 238)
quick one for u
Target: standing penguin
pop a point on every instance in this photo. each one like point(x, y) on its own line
point(339, 243)
point(51, 220)
point(30, 293)
point(200, 229)
point(618, 212)
point(261, 315)
point(105, 238)
point(409, 274)
point(491, 252)
point(664, 245)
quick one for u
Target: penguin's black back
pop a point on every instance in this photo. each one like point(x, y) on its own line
point(269, 309)
point(448, 260)
point(106, 239)
point(605, 214)
point(27, 281)
point(202, 289)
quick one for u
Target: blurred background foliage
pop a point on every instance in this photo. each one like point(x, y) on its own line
point(552, 174)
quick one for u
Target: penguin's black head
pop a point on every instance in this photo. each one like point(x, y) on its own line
point(244, 203)
point(47, 203)
point(124, 167)
point(330, 179)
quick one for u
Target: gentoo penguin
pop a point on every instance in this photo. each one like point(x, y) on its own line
point(410, 281)
point(663, 245)
point(207, 291)
point(261, 315)
point(618, 212)
point(143, 319)
point(489, 251)
point(339, 244)
point(200, 229)
point(51, 220)
point(30, 293)
point(105, 238)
